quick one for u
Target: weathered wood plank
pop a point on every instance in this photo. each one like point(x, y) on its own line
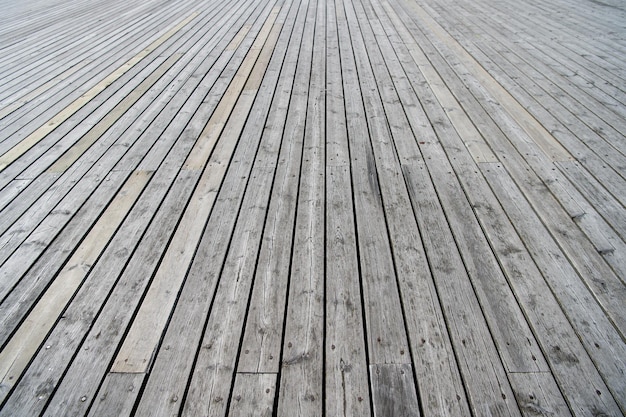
point(261, 343)
point(253, 395)
point(212, 375)
point(106, 283)
point(19, 149)
point(578, 304)
point(143, 337)
point(535, 130)
point(111, 401)
point(386, 335)
point(20, 101)
point(146, 130)
point(390, 393)
point(25, 342)
point(346, 371)
point(72, 154)
point(546, 401)
point(301, 372)
point(149, 255)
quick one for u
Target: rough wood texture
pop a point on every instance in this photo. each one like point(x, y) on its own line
point(313, 208)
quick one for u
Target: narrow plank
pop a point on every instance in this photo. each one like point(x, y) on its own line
point(386, 336)
point(584, 103)
point(14, 188)
point(22, 346)
point(390, 396)
point(215, 125)
point(346, 376)
point(63, 136)
point(136, 275)
point(596, 193)
point(253, 395)
point(31, 140)
point(142, 340)
point(195, 303)
point(239, 37)
point(166, 137)
point(211, 379)
point(301, 373)
point(73, 153)
point(472, 138)
point(261, 342)
point(111, 401)
point(14, 104)
point(535, 130)
point(487, 385)
point(545, 402)
point(146, 132)
point(542, 184)
point(71, 385)
point(516, 352)
point(114, 44)
point(346, 371)
point(601, 339)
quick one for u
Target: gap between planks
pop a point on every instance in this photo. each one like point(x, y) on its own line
point(145, 333)
point(31, 140)
point(544, 139)
point(25, 342)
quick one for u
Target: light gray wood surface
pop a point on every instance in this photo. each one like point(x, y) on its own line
point(313, 208)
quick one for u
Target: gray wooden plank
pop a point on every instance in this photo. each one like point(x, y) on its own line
point(142, 339)
point(598, 110)
point(390, 393)
point(212, 375)
point(111, 400)
point(598, 265)
point(569, 288)
point(301, 372)
point(17, 353)
point(484, 271)
point(485, 378)
point(173, 129)
point(346, 370)
point(93, 82)
point(386, 334)
point(547, 401)
point(262, 339)
point(173, 364)
point(524, 161)
point(45, 372)
point(253, 395)
point(88, 361)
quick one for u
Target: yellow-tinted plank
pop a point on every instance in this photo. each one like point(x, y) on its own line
point(72, 154)
point(24, 344)
point(41, 89)
point(31, 140)
point(239, 37)
point(544, 139)
point(473, 140)
point(144, 335)
point(254, 81)
point(211, 132)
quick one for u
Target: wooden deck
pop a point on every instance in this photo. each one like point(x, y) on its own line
point(313, 207)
